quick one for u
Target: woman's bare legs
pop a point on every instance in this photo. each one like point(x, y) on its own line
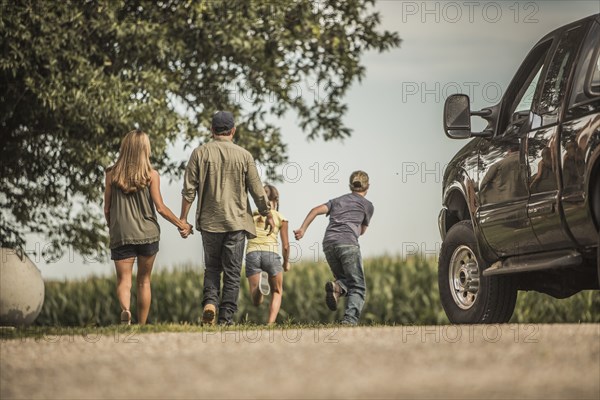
point(124, 268)
point(144, 292)
point(276, 283)
point(255, 294)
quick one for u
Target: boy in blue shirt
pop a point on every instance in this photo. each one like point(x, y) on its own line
point(349, 217)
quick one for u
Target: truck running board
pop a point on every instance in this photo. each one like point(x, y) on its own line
point(535, 262)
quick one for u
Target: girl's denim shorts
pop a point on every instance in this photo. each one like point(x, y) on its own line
point(258, 261)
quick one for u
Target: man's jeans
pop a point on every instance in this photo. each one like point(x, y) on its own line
point(223, 252)
point(345, 262)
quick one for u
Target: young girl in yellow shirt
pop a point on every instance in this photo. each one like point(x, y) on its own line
point(264, 268)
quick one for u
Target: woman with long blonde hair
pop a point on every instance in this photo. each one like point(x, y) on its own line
point(131, 198)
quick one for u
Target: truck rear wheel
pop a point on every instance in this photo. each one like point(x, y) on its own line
point(467, 296)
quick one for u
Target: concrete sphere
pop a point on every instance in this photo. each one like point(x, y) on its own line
point(21, 289)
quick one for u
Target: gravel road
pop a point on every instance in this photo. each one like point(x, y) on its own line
point(466, 362)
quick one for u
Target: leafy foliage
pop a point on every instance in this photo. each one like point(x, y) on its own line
point(399, 291)
point(77, 75)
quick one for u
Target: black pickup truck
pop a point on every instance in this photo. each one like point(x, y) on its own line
point(521, 200)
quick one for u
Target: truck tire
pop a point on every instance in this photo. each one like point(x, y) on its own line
point(467, 296)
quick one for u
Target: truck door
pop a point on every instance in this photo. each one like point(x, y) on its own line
point(579, 136)
point(503, 190)
point(543, 145)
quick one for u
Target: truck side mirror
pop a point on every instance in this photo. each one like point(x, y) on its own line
point(457, 117)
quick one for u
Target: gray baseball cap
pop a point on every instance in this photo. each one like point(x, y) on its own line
point(222, 121)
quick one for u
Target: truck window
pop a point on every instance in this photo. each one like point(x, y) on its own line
point(595, 81)
point(521, 92)
point(527, 99)
point(557, 76)
point(586, 81)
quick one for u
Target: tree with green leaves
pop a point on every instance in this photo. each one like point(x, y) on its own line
point(77, 75)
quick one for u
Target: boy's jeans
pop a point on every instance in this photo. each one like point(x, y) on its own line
point(223, 252)
point(345, 262)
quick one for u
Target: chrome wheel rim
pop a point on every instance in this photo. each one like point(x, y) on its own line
point(463, 277)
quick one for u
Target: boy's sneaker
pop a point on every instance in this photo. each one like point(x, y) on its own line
point(334, 291)
point(263, 285)
point(208, 315)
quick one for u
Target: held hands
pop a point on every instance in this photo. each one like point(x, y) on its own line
point(269, 223)
point(189, 230)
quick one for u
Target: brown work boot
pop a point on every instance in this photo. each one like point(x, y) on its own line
point(333, 293)
point(208, 315)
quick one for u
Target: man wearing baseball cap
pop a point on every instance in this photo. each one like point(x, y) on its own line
point(221, 174)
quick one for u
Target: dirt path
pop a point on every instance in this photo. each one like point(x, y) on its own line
point(498, 361)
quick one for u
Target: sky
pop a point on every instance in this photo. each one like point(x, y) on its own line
point(395, 113)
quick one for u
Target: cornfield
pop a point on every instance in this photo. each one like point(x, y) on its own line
point(399, 291)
